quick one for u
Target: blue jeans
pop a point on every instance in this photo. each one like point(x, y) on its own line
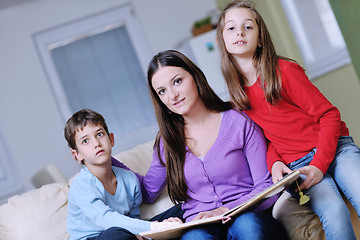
point(343, 176)
point(249, 225)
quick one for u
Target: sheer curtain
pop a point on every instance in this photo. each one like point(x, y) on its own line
point(102, 72)
point(100, 62)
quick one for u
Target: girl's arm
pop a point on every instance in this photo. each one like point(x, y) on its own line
point(275, 165)
point(307, 97)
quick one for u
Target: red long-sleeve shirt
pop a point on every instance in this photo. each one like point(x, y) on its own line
point(302, 120)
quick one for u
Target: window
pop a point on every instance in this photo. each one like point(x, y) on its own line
point(317, 34)
point(100, 63)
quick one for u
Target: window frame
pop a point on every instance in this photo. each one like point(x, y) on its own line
point(9, 176)
point(61, 35)
point(321, 65)
point(123, 16)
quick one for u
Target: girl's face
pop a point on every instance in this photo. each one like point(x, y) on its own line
point(176, 88)
point(240, 33)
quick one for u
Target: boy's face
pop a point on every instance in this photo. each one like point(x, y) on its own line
point(93, 145)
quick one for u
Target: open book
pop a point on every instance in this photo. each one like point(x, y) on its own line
point(176, 230)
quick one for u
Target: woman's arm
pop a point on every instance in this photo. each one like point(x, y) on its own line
point(154, 180)
point(255, 149)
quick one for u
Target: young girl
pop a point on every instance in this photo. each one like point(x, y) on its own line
point(211, 157)
point(303, 128)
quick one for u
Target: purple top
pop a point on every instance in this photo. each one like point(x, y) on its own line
point(233, 170)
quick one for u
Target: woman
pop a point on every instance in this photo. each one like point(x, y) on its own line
point(211, 156)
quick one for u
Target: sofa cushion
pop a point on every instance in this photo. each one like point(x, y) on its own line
point(37, 214)
point(302, 223)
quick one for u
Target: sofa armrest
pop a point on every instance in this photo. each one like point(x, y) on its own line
point(37, 214)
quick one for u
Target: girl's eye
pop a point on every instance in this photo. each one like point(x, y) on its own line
point(177, 81)
point(231, 28)
point(161, 92)
point(248, 27)
point(85, 141)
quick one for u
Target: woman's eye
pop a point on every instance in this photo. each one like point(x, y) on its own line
point(177, 81)
point(161, 92)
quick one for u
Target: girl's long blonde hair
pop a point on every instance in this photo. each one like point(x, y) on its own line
point(265, 61)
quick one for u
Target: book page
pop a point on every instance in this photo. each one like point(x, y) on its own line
point(176, 231)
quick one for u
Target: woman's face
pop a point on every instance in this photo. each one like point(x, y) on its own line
point(176, 88)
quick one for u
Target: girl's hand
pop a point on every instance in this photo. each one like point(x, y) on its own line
point(313, 176)
point(212, 213)
point(278, 170)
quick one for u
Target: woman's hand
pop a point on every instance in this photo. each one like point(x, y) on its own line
point(212, 213)
point(278, 170)
point(313, 176)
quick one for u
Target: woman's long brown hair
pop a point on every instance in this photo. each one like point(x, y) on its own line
point(265, 61)
point(171, 125)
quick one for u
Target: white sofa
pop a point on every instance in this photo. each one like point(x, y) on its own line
point(41, 213)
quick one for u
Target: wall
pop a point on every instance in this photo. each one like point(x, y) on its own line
point(341, 86)
point(348, 19)
point(30, 120)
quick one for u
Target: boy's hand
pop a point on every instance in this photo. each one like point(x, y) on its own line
point(164, 224)
point(212, 213)
point(278, 170)
point(173, 219)
point(313, 176)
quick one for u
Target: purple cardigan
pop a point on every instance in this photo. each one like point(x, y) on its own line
point(233, 170)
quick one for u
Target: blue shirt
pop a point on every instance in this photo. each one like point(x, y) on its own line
point(91, 209)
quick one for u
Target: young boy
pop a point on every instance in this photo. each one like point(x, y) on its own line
point(103, 200)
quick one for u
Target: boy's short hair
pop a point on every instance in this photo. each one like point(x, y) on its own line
point(78, 121)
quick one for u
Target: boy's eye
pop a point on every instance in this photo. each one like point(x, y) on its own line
point(161, 92)
point(177, 81)
point(100, 134)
